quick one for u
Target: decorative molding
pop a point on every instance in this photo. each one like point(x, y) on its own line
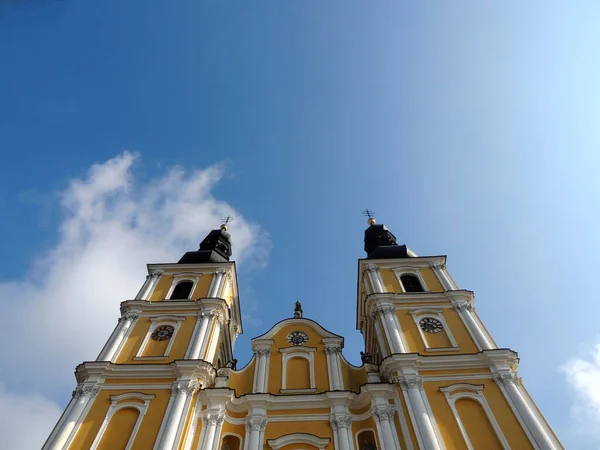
point(383, 412)
point(408, 383)
point(187, 387)
point(214, 419)
point(463, 306)
point(262, 352)
point(506, 378)
point(298, 438)
point(132, 315)
point(86, 390)
point(256, 423)
point(333, 350)
point(341, 422)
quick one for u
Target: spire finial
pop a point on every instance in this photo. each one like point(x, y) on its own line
point(226, 220)
point(371, 215)
point(298, 310)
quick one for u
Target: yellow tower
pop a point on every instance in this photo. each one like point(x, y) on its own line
point(432, 377)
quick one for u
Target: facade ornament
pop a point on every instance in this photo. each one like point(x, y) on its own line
point(155, 273)
point(439, 266)
point(256, 423)
point(221, 272)
point(232, 364)
point(371, 368)
point(187, 387)
point(333, 349)
point(338, 422)
point(262, 352)
point(465, 306)
point(506, 378)
point(384, 309)
point(408, 383)
point(372, 268)
point(210, 313)
point(224, 372)
point(214, 418)
point(383, 413)
point(366, 357)
point(87, 390)
point(132, 315)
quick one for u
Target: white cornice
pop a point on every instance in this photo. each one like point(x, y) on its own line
point(310, 323)
point(184, 369)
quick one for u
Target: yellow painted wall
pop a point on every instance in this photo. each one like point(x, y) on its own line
point(404, 411)
point(275, 365)
point(298, 374)
point(500, 408)
point(162, 288)
point(148, 429)
point(431, 280)
point(353, 377)
point(457, 327)
point(142, 325)
point(243, 380)
point(198, 433)
point(202, 287)
point(318, 428)
point(478, 427)
point(390, 281)
point(119, 429)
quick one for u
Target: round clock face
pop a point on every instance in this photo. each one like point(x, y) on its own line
point(297, 338)
point(163, 333)
point(430, 325)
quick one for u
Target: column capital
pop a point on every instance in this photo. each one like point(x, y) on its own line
point(438, 266)
point(213, 418)
point(384, 309)
point(187, 387)
point(341, 421)
point(333, 349)
point(221, 272)
point(155, 273)
point(262, 352)
point(256, 423)
point(383, 412)
point(505, 378)
point(464, 306)
point(372, 268)
point(131, 315)
point(408, 383)
point(89, 390)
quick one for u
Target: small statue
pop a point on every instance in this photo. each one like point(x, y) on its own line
point(368, 445)
point(298, 310)
point(366, 357)
point(231, 364)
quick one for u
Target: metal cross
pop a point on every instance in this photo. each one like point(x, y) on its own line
point(227, 219)
point(370, 214)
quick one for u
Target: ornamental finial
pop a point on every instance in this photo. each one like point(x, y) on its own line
point(226, 220)
point(371, 215)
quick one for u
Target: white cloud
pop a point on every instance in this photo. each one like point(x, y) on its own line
point(583, 376)
point(62, 312)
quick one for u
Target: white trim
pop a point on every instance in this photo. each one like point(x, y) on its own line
point(402, 419)
point(115, 407)
point(475, 393)
point(298, 438)
point(290, 353)
point(416, 271)
point(156, 321)
point(421, 313)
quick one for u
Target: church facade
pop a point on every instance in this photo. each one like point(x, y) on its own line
point(432, 376)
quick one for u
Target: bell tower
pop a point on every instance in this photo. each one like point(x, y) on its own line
point(168, 343)
point(425, 335)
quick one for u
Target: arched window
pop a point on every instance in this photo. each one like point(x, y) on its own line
point(366, 440)
point(182, 290)
point(231, 442)
point(411, 283)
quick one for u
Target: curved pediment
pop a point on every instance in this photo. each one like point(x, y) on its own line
point(293, 321)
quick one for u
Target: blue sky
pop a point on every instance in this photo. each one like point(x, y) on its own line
point(471, 128)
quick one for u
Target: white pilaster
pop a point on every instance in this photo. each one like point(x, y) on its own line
point(526, 410)
point(262, 353)
point(67, 426)
point(333, 352)
point(391, 327)
point(384, 417)
point(374, 275)
point(465, 310)
point(442, 275)
point(118, 337)
point(180, 392)
point(212, 423)
point(255, 427)
point(342, 428)
point(149, 285)
point(423, 424)
point(216, 331)
point(200, 335)
point(216, 286)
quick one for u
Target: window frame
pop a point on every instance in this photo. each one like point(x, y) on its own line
point(155, 322)
point(421, 313)
point(300, 351)
point(414, 271)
